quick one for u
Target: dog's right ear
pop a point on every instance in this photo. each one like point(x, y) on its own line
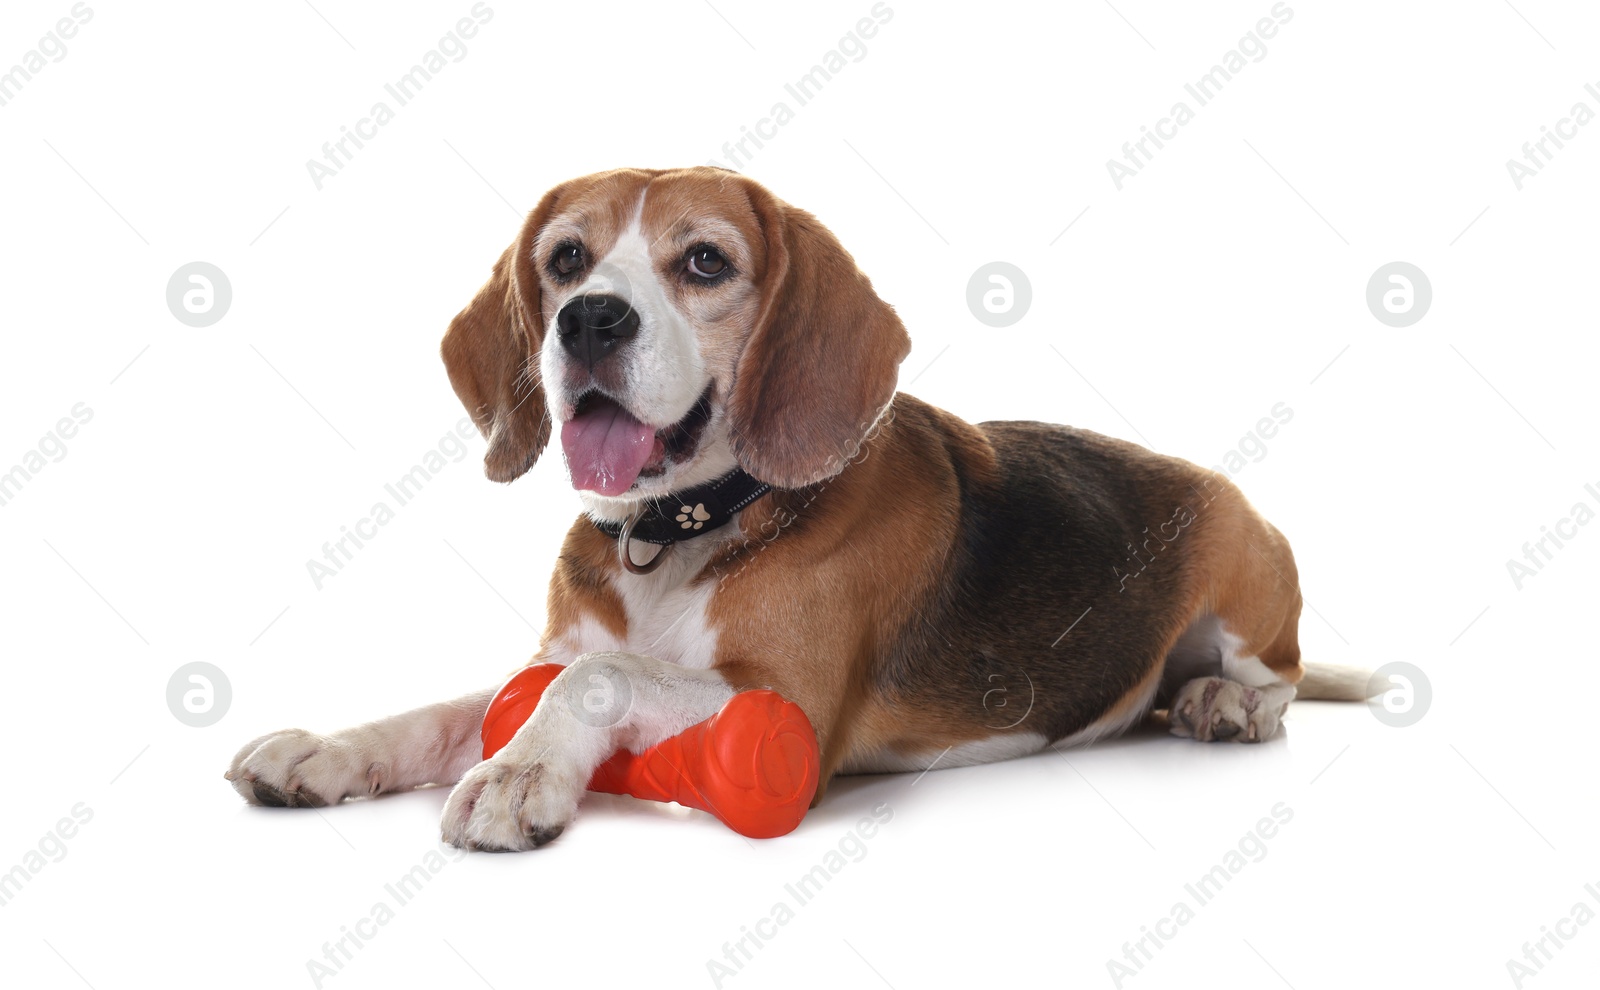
point(492, 353)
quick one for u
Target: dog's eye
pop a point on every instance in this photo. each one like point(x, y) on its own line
point(706, 261)
point(567, 259)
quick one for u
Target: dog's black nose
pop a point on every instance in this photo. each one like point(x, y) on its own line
point(592, 326)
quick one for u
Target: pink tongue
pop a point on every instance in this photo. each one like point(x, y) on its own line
point(605, 448)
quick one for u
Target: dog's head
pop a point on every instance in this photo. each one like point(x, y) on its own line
point(669, 326)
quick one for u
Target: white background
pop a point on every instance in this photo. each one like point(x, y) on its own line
point(1222, 280)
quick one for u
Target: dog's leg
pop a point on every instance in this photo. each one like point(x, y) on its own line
point(527, 793)
point(1232, 674)
point(293, 768)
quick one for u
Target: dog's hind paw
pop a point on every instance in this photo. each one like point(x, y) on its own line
point(1212, 709)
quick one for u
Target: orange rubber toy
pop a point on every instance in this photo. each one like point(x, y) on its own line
point(754, 765)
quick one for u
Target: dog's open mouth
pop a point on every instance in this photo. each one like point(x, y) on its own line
point(608, 449)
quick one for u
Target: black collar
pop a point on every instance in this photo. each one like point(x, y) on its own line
point(692, 512)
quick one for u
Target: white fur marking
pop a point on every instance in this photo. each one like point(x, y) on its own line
point(666, 612)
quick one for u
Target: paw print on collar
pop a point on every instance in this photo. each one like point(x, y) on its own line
point(692, 517)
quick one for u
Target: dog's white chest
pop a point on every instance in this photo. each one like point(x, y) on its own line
point(665, 611)
point(668, 621)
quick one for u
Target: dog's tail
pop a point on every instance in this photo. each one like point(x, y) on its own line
point(1331, 682)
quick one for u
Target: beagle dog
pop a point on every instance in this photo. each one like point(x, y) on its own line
point(761, 509)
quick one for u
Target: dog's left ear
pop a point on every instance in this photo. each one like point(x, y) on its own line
point(821, 364)
point(492, 351)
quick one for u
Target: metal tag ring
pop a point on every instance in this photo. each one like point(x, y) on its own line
point(623, 539)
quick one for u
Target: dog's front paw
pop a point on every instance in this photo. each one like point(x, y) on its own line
point(299, 769)
point(503, 805)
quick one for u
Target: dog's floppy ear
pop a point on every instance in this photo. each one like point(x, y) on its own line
point(492, 353)
point(820, 366)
